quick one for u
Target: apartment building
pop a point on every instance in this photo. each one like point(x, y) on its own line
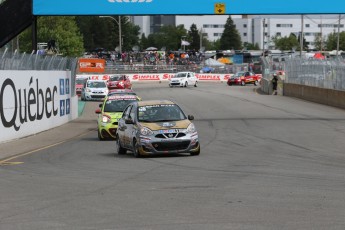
point(252, 28)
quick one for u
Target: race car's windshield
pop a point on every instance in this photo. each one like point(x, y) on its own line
point(121, 93)
point(79, 81)
point(116, 105)
point(115, 78)
point(160, 113)
point(96, 84)
point(180, 75)
point(238, 74)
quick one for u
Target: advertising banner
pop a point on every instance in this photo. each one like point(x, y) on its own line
point(142, 77)
point(183, 7)
point(34, 101)
point(91, 65)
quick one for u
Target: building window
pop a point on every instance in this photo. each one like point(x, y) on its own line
point(284, 25)
point(244, 34)
point(307, 25)
point(244, 25)
point(278, 34)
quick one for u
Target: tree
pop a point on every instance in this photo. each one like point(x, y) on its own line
point(194, 38)
point(286, 43)
point(250, 46)
point(332, 39)
point(319, 42)
point(168, 36)
point(63, 30)
point(305, 45)
point(104, 32)
point(230, 38)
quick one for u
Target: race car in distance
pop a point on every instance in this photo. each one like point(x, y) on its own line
point(243, 78)
point(119, 81)
point(109, 113)
point(156, 127)
point(183, 79)
point(79, 84)
point(94, 90)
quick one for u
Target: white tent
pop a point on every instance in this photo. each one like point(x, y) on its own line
point(212, 62)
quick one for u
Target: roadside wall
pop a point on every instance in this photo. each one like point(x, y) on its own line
point(329, 97)
point(34, 101)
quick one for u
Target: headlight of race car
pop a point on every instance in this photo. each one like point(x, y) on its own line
point(106, 119)
point(121, 83)
point(88, 90)
point(146, 131)
point(191, 128)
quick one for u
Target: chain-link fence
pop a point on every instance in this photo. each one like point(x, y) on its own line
point(328, 74)
point(18, 61)
point(24, 61)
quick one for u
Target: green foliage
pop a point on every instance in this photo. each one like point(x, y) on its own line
point(250, 46)
point(168, 37)
point(230, 38)
point(194, 38)
point(286, 43)
point(332, 39)
point(63, 30)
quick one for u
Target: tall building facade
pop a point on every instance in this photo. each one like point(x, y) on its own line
point(253, 29)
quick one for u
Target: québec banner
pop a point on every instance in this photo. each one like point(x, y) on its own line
point(34, 101)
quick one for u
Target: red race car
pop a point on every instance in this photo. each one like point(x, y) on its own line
point(243, 78)
point(79, 85)
point(118, 81)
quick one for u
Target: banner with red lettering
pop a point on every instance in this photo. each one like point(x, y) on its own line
point(151, 77)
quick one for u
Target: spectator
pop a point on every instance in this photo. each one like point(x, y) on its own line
point(275, 83)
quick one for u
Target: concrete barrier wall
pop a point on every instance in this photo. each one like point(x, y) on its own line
point(329, 97)
point(34, 101)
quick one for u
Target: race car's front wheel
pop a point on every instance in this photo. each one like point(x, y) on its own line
point(243, 83)
point(185, 84)
point(136, 152)
point(196, 84)
point(195, 153)
point(256, 82)
point(100, 136)
point(119, 149)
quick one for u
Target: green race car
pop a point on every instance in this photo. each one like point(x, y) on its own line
point(110, 112)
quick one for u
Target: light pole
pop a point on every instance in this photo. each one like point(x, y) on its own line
point(120, 30)
point(184, 46)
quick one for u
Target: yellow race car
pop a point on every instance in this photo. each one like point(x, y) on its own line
point(110, 112)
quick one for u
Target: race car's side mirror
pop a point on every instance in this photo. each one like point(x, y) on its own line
point(190, 117)
point(98, 111)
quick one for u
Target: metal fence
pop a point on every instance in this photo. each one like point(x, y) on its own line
point(24, 61)
point(328, 74)
point(18, 61)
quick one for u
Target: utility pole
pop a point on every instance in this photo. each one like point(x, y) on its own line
point(338, 35)
point(321, 39)
point(301, 38)
point(118, 22)
point(263, 36)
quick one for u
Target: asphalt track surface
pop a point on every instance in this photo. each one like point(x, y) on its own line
point(267, 162)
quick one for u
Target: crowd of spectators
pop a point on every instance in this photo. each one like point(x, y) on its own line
point(150, 57)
